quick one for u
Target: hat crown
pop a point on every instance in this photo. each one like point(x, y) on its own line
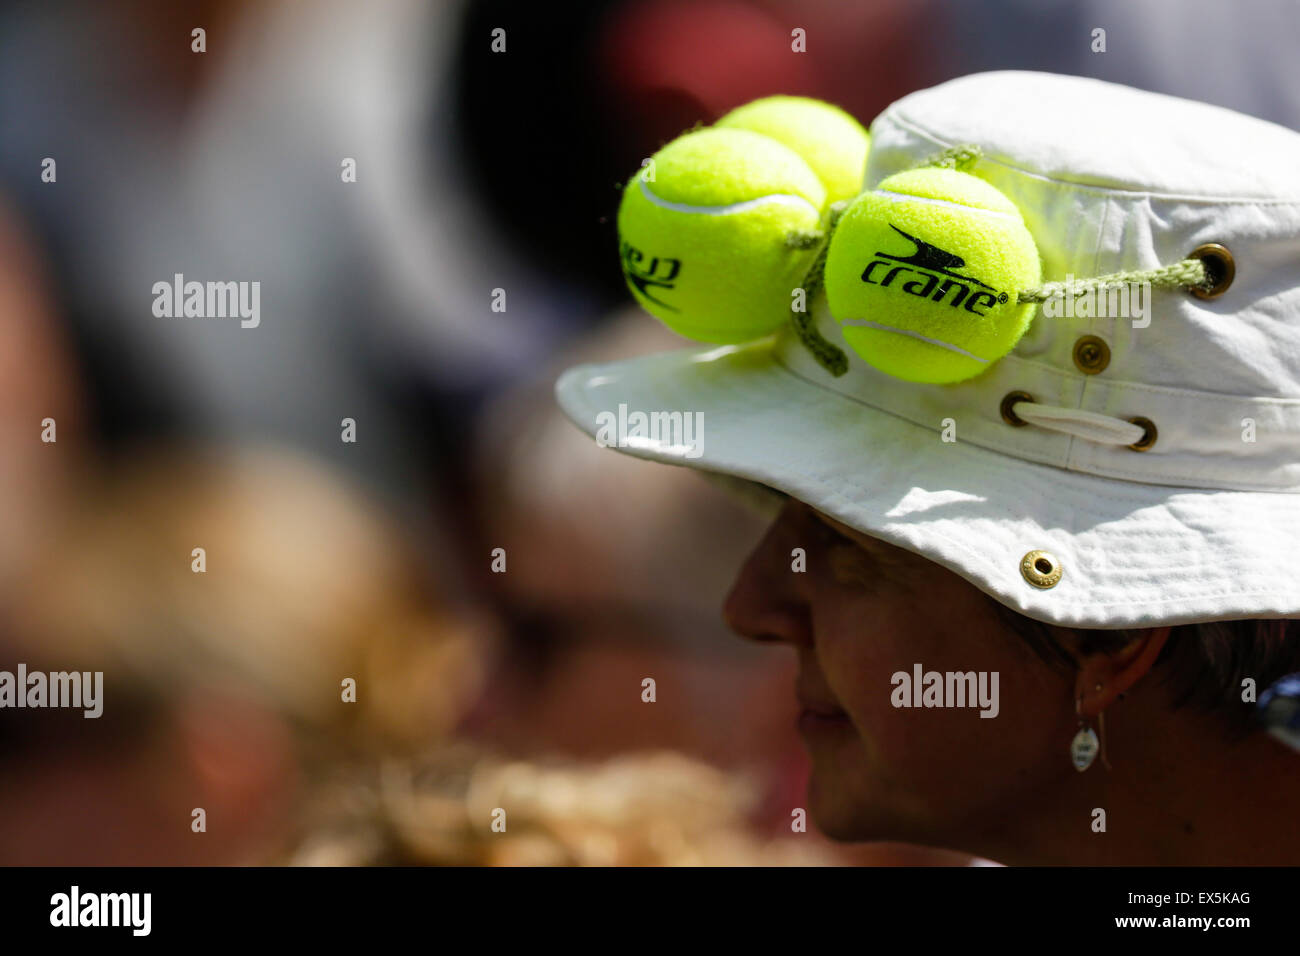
point(1112, 179)
point(1093, 133)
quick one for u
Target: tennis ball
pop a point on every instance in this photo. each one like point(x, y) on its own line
point(705, 233)
point(831, 141)
point(923, 274)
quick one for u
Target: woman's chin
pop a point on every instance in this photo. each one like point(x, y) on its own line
point(839, 812)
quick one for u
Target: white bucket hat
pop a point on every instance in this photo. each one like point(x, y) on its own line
point(1053, 500)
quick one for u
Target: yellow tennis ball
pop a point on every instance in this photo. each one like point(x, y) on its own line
point(709, 233)
point(831, 141)
point(923, 274)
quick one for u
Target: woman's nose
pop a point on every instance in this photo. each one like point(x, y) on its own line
point(767, 602)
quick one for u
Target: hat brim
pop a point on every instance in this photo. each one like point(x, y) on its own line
point(1132, 554)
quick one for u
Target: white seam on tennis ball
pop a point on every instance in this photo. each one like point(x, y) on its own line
point(916, 335)
point(784, 199)
point(903, 197)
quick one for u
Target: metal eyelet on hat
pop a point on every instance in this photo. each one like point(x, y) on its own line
point(1220, 269)
point(1041, 569)
point(1149, 434)
point(1009, 408)
point(1091, 355)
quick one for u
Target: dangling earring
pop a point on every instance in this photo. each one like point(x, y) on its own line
point(1085, 745)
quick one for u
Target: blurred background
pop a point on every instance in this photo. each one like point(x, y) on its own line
point(480, 172)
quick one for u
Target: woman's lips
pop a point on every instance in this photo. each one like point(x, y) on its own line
point(821, 717)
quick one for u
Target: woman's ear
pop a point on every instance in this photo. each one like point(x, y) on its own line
point(1105, 676)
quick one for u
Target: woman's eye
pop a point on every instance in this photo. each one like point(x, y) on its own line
point(833, 536)
point(850, 564)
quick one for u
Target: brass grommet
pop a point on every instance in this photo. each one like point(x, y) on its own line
point(1091, 355)
point(1149, 434)
point(1041, 569)
point(1220, 269)
point(1009, 408)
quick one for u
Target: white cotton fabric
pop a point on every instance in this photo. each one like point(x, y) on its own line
point(1203, 526)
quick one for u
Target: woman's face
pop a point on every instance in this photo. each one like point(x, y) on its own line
point(864, 610)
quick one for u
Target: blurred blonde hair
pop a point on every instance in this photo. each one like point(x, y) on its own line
point(653, 809)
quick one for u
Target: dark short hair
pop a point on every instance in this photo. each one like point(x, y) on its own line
point(1202, 665)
